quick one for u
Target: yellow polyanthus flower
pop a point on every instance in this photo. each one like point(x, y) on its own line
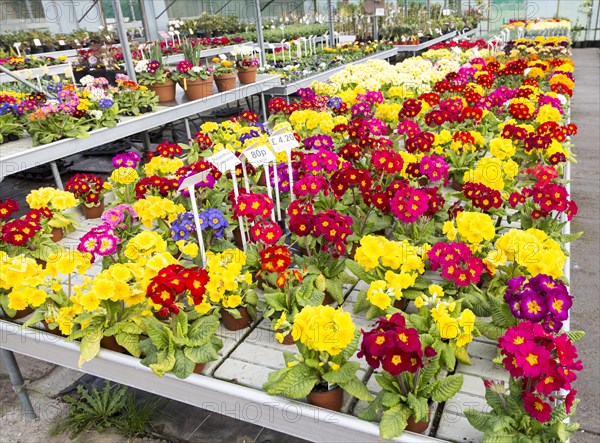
point(323, 329)
point(124, 176)
point(378, 296)
point(475, 227)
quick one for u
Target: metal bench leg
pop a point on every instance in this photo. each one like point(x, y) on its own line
point(263, 107)
point(16, 380)
point(56, 175)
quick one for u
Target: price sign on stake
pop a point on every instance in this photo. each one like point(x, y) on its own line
point(224, 160)
point(259, 156)
point(189, 183)
point(283, 142)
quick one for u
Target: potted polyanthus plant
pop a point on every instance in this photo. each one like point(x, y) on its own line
point(58, 202)
point(246, 64)
point(153, 74)
point(410, 377)
point(224, 74)
point(89, 189)
point(181, 339)
point(195, 79)
point(326, 339)
point(540, 396)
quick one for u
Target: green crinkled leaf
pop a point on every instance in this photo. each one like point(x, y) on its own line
point(362, 303)
point(479, 420)
point(158, 333)
point(371, 413)
point(335, 288)
point(374, 312)
point(343, 374)
point(349, 350)
point(387, 382)
point(183, 366)
point(201, 354)
point(462, 355)
point(390, 399)
point(360, 272)
point(89, 347)
point(394, 421)
point(494, 437)
point(488, 330)
point(447, 388)
point(356, 388)
point(575, 335)
point(420, 323)
point(294, 382)
point(567, 238)
point(276, 301)
point(131, 342)
point(202, 330)
point(165, 361)
point(419, 407)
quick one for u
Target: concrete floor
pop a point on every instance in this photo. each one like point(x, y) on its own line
point(45, 380)
point(585, 252)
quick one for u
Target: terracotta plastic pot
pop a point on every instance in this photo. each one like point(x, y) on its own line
point(287, 339)
point(57, 234)
point(328, 300)
point(197, 89)
point(247, 76)
point(225, 82)
point(55, 331)
point(418, 427)
point(199, 368)
point(331, 400)
point(20, 314)
point(111, 344)
point(94, 211)
point(401, 304)
point(235, 324)
point(165, 91)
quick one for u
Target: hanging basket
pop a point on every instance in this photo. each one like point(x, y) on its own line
point(225, 82)
point(164, 91)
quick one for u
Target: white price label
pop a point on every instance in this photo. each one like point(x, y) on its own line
point(476, 52)
point(283, 142)
point(259, 156)
point(164, 34)
point(458, 51)
point(224, 160)
point(62, 43)
point(379, 12)
point(37, 42)
point(192, 180)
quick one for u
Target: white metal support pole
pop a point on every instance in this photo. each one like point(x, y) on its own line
point(56, 175)
point(124, 42)
point(16, 380)
point(259, 32)
point(331, 28)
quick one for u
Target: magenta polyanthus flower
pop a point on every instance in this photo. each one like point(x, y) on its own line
point(409, 204)
point(536, 407)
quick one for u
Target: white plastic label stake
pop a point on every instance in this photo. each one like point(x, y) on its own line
point(61, 42)
point(189, 183)
point(164, 35)
point(379, 12)
point(283, 142)
point(37, 42)
point(224, 160)
point(258, 156)
point(17, 45)
point(456, 50)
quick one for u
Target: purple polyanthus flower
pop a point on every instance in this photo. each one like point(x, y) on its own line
point(208, 182)
point(554, 102)
point(127, 160)
point(434, 167)
point(183, 226)
point(319, 142)
point(214, 219)
point(334, 102)
point(540, 299)
point(100, 240)
point(376, 126)
point(361, 109)
point(306, 93)
point(115, 217)
point(249, 135)
point(283, 177)
point(105, 103)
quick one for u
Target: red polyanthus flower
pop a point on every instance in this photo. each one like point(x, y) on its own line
point(275, 258)
point(7, 208)
point(536, 407)
point(266, 231)
point(409, 204)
